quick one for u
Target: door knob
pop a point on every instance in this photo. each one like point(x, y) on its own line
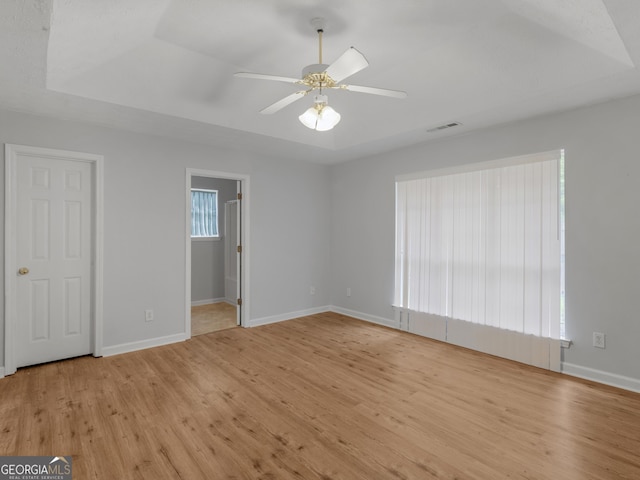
point(23, 271)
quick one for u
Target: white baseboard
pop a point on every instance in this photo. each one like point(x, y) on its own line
point(599, 376)
point(365, 316)
point(329, 308)
point(142, 344)
point(208, 301)
point(256, 322)
point(612, 379)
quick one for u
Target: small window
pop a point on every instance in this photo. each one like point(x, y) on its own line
point(204, 213)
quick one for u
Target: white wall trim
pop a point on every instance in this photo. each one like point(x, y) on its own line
point(385, 322)
point(612, 379)
point(98, 275)
point(1, 372)
point(599, 376)
point(10, 309)
point(143, 344)
point(196, 303)
point(256, 322)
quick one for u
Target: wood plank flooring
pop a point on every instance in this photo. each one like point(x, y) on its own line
point(212, 317)
point(320, 397)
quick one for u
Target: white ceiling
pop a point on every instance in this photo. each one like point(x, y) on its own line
point(166, 66)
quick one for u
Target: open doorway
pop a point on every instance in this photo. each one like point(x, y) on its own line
point(215, 243)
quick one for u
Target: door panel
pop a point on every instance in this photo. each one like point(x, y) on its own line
point(39, 312)
point(73, 229)
point(39, 229)
point(73, 306)
point(54, 208)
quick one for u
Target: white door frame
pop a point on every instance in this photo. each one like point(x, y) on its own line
point(230, 249)
point(244, 228)
point(10, 238)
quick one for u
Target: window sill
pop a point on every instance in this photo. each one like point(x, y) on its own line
point(206, 239)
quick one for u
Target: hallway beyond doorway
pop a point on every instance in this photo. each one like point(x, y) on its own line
point(212, 317)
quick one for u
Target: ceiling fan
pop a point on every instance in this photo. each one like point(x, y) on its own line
point(321, 77)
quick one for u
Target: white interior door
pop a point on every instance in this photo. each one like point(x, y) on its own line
point(232, 256)
point(53, 259)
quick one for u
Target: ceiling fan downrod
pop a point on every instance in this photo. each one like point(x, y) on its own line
point(318, 23)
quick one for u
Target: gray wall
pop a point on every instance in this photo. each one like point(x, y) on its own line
point(207, 256)
point(333, 227)
point(144, 224)
point(602, 222)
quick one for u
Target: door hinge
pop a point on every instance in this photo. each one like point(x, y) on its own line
point(239, 301)
point(239, 196)
point(239, 249)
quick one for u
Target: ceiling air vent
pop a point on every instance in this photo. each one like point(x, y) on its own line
point(444, 127)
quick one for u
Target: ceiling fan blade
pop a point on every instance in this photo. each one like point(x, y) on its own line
point(375, 91)
point(350, 62)
point(280, 104)
point(261, 76)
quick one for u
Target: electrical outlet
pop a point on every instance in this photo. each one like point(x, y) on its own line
point(148, 315)
point(348, 291)
point(312, 290)
point(598, 340)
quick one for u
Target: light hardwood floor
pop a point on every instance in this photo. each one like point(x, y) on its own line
point(320, 397)
point(212, 317)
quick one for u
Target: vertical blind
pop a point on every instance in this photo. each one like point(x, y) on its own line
point(483, 245)
point(204, 213)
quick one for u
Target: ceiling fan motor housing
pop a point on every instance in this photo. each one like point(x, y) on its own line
point(314, 68)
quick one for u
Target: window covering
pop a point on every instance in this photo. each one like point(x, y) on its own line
point(204, 213)
point(483, 245)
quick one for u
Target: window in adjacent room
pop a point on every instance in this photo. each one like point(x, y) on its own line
point(483, 243)
point(204, 214)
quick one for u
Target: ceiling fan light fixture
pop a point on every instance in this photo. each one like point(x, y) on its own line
point(319, 77)
point(321, 117)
